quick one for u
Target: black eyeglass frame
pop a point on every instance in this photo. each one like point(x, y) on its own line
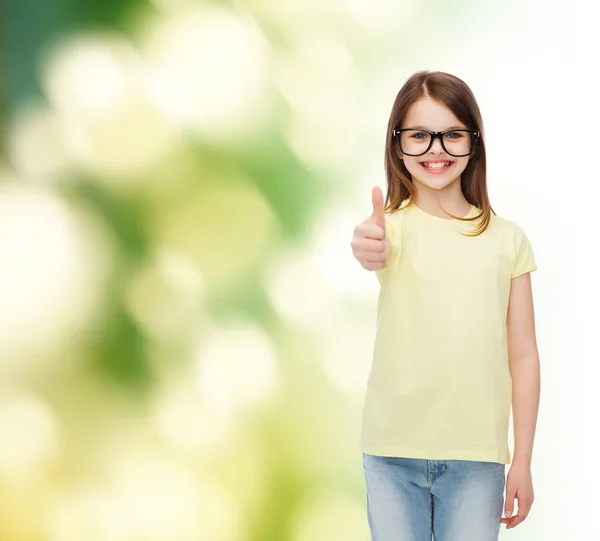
point(434, 135)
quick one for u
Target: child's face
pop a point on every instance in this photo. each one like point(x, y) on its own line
point(432, 115)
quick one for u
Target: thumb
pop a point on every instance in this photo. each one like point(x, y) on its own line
point(378, 216)
point(509, 505)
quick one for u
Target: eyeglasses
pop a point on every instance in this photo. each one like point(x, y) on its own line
point(457, 143)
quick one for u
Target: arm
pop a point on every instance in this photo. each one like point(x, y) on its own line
point(524, 366)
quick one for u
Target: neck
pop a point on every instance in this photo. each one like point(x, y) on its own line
point(450, 198)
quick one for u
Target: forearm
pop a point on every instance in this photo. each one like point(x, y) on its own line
point(525, 375)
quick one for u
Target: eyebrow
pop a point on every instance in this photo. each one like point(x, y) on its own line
point(425, 128)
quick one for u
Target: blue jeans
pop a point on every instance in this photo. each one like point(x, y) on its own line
point(410, 499)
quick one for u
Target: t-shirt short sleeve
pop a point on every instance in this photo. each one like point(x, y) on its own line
point(524, 259)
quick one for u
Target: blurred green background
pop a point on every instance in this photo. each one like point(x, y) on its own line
point(184, 336)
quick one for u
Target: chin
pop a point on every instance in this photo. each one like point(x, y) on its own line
point(435, 184)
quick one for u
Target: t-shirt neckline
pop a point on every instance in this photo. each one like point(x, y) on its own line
point(439, 219)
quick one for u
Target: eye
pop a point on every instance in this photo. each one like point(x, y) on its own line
point(454, 135)
point(420, 135)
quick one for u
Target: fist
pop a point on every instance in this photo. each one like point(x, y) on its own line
point(369, 244)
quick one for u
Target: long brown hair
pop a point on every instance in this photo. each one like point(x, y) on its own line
point(457, 96)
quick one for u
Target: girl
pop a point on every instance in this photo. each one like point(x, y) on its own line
point(455, 341)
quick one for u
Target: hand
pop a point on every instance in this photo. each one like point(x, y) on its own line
point(369, 243)
point(519, 485)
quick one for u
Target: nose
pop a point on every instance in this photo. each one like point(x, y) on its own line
point(436, 146)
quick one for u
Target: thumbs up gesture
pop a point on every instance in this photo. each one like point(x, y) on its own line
point(369, 243)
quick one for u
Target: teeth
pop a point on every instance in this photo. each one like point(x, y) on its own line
point(439, 165)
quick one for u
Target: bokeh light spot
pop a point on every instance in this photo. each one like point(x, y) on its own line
point(32, 435)
point(237, 368)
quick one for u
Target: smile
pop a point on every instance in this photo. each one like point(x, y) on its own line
point(436, 167)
